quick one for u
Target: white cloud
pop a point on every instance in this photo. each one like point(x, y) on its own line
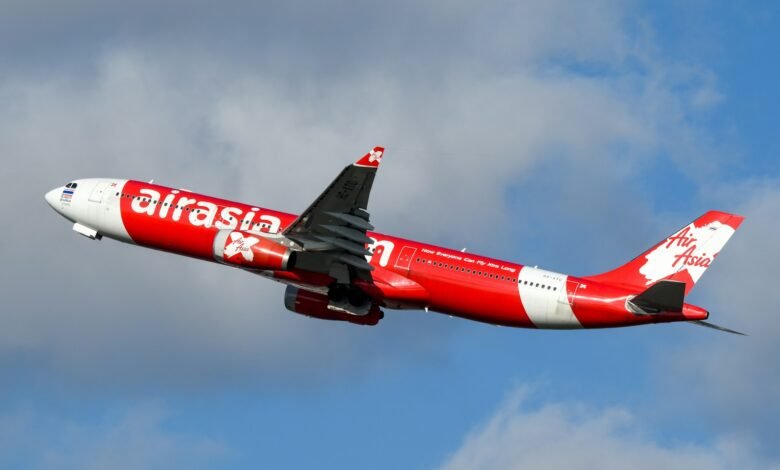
point(566, 435)
point(732, 381)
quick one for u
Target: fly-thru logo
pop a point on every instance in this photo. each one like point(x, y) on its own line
point(692, 249)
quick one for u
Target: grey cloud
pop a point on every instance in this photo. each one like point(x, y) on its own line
point(315, 34)
point(100, 314)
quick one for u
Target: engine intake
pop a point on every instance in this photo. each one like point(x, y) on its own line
point(316, 305)
point(249, 250)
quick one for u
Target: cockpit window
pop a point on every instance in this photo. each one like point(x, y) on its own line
point(71, 185)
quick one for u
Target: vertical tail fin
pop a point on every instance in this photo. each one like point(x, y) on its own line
point(682, 257)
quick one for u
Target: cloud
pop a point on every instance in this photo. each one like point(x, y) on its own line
point(570, 435)
point(730, 381)
point(129, 439)
point(471, 102)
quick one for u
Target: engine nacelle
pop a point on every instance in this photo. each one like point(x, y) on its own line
point(245, 249)
point(315, 305)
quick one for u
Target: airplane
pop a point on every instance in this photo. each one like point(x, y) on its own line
point(336, 267)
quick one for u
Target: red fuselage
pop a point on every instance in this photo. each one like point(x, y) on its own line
point(407, 274)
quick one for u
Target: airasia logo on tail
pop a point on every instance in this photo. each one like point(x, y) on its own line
point(689, 256)
point(692, 249)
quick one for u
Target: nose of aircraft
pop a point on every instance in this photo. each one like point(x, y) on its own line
point(53, 196)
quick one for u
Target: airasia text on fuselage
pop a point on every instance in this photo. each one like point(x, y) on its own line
point(203, 213)
point(207, 214)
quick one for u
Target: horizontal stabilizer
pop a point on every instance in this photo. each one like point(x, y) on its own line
point(663, 296)
point(716, 327)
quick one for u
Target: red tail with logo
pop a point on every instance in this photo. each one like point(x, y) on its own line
point(683, 256)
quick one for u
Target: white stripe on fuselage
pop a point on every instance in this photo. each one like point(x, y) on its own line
point(544, 298)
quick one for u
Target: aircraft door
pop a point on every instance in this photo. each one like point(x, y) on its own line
point(569, 292)
point(404, 261)
point(97, 206)
point(98, 192)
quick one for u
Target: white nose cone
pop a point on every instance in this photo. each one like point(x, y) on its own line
point(53, 197)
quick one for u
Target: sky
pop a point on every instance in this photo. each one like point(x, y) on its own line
point(568, 135)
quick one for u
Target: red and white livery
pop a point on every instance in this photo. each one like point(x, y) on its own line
point(337, 267)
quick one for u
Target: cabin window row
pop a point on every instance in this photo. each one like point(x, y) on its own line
point(155, 202)
point(475, 272)
point(537, 284)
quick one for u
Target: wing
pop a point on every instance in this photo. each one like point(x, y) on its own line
point(332, 231)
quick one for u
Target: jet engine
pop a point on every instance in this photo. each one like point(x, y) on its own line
point(249, 250)
point(319, 306)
